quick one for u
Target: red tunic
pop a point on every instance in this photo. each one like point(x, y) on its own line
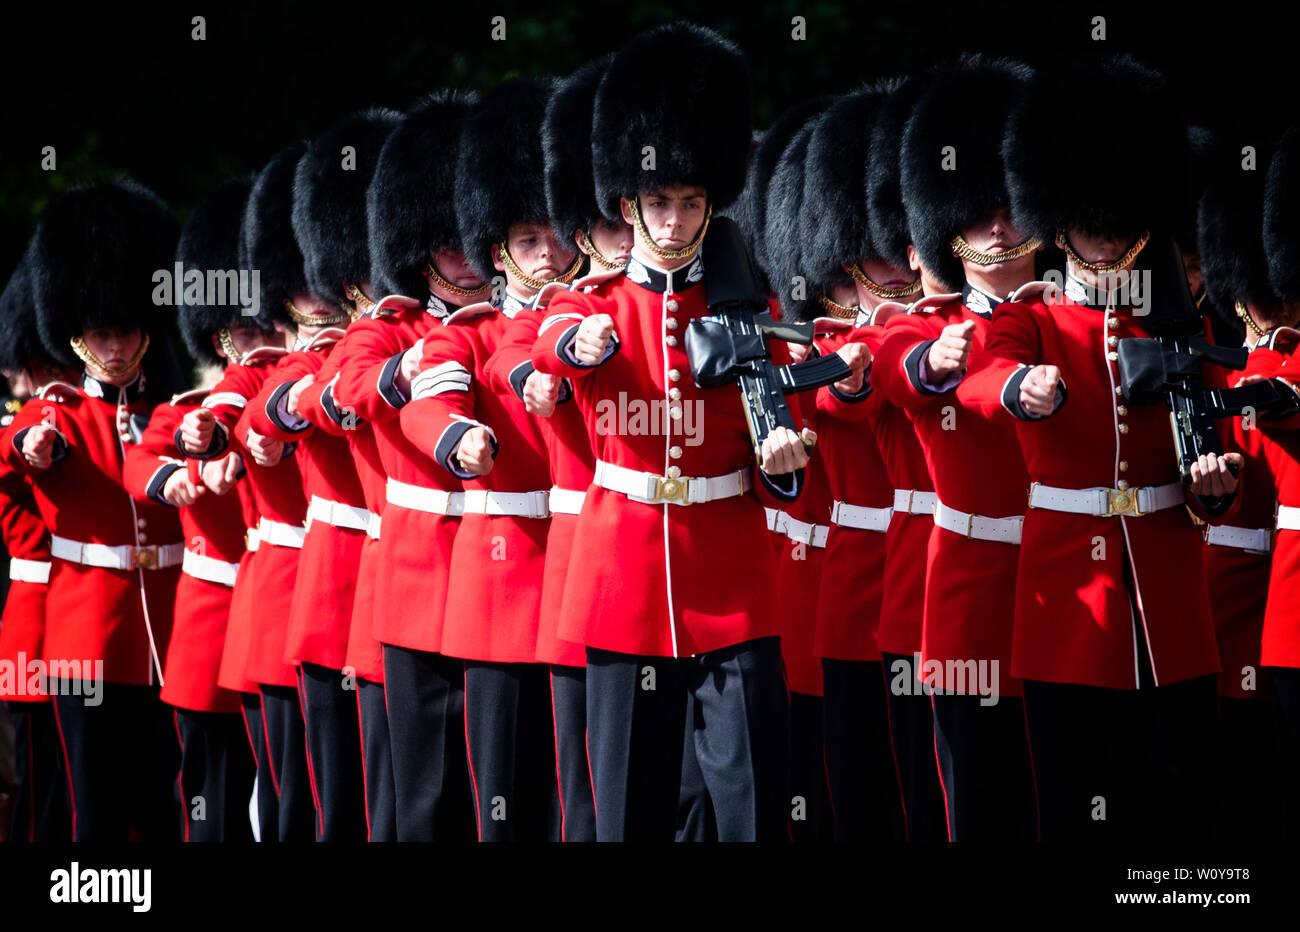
point(96, 614)
point(22, 627)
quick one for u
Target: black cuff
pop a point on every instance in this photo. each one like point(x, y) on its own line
point(862, 394)
point(218, 445)
point(787, 486)
point(563, 351)
point(387, 382)
point(334, 414)
point(566, 392)
point(273, 412)
point(58, 452)
point(445, 453)
point(159, 481)
point(1215, 505)
point(518, 376)
point(914, 366)
point(1011, 396)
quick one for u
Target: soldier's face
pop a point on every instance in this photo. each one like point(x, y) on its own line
point(248, 337)
point(113, 347)
point(995, 233)
point(455, 268)
point(673, 215)
point(20, 384)
point(1099, 248)
point(614, 240)
point(537, 251)
point(1274, 314)
point(883, 274)
point(312, 306)
point(1192, 266)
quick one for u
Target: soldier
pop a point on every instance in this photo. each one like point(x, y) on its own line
point(1113, 636)
point(454, 417)
point(40, 811)
point(115, 566)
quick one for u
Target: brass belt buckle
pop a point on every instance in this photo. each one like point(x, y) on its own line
point(671, 490)
point(145, 558)
point(1122, 502)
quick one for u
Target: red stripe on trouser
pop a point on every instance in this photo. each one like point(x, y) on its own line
point(306, 745)
point(266, 742)
point(1029, 746)
point(469, 758)
point(555, 731)
point(938, 765)
point(180, 786)
point(67, 769)
point(365, 788)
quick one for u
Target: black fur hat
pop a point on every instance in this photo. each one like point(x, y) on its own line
point(1121, 174)
point(329, 200)
point(950, 159)
point(1282, 217)
point(266, 241)
point(1230, 236)
point(566, 150)
point(742, 208)
point(410, 204)
point(683, 90)
point(833, 196)
point(210, 243)
point(785, 220)
point(1202, 156)
point(886, 218)
point(93, 261)
point(20, 342)
point(499, 167)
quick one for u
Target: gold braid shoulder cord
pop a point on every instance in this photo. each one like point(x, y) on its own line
point(85, 355)
point(537, 284)
point(596, 255)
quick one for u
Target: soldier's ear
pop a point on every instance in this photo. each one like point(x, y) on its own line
point(496, 258)
point(625, 208)
point(216, 345)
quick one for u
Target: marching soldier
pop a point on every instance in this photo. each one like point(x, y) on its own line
point(115, 564)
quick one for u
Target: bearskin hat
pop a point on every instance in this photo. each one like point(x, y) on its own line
point(410, 204)
point(210, 243)
point(1121, 175)
point(329, 200)
point(785, 219)
point(886, 218)
point(20, 342)
point(950, 158)
point(1230, 238)
point(697, 125)
point(1282, 217)
point(566, 150)
point(1202, 156)
point(499, 175)
point(742, 208)
point(266, 241)
point(93, 261)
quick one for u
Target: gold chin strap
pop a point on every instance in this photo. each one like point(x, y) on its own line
point(306, 320)
point(1250, 321)
point(668, 255)
point(880, 291)
point(837, 310)
point(1118, 265)
point(85, 355)
point(360, 302)
point(228, 345)
point(964, 250)
point(435, 278)
point(596, 255)
point(537, 284)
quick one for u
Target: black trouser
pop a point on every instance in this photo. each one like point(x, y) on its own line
point(1250, 779)
point(911, 726)
point(1286, 687)
point(696, 820)
point(376, 762)
point(329, 713)
point(511, 747)
point(426, 729)
point(866, 796)
point(636, 710)
point(268, 803)
point(984, 769)
point(121, 761)
point(810, 804)
point(41, 796)
point(216, 776)
point(573, 773)
point(286, 748)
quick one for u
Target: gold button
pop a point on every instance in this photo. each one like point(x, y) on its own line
point(1122, 485)
point(1112, 341)
point(1123, 428)
point(1112, 356)
point(1123, 465)
point(675, 452)
point(675, 412)
point(674, 375)
point(140, 538)
point(1119, 390)
point(671, 323)
point(1113, 323)
point(140, 523)
point(674, 393)
point(1121, 410)
point(674, 472)
point(672, 305)
point(671, 340)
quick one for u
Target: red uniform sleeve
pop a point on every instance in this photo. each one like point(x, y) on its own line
point(441, 409)
point(371, 358)
point(150, 463)
point(899, 361)
point(510, 365)
point(552, 351)
point(1012, 346)
point(267, 413)
point(316, 402)
point(38, 411)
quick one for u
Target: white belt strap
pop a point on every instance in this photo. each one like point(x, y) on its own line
point(252, 540)
point(33, 571)
point(1288, 518)
point(153, 557)
point(418, 498)
point(372, 528)
point(519, 504)
point(209, 569)
point(566, 501)
point(280, 534)
point(914, 501)
point(861, 517)
point(813, 535)
point(978, 527)
point(652, 489)
point(774, 523)
point(1250, 539)
point(337, 514)
point(1107, 503)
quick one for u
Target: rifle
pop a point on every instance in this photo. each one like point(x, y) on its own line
point(731, 344)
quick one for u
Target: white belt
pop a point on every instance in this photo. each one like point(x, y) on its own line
point(280, 534)
point(372, 527)
point(861, 517)
point(774, 523)
point(978, 527)
point(566, 501)
point(651, 489)
point(207, 568)
point(252, 540)
point(520, 504)
point(812, 534)
point(337, 514)
point(36, 571)
point(1250, 539)
point(418, 498)
point(914, 502)
point(152, 557)
point(1288, 518)
point(1107, 503)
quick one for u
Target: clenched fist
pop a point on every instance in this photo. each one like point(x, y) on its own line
point(291, 400)
point(219, 475)
point(858, 357)
point(38, 446)
point(783, 451)
point(474, 453)
point(593, 337)
point(264, 450)
point(541, 393)
point(1212, 475)
point(1038, 390)
point(196, 430)
point(951, 352)
point(180, 490)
